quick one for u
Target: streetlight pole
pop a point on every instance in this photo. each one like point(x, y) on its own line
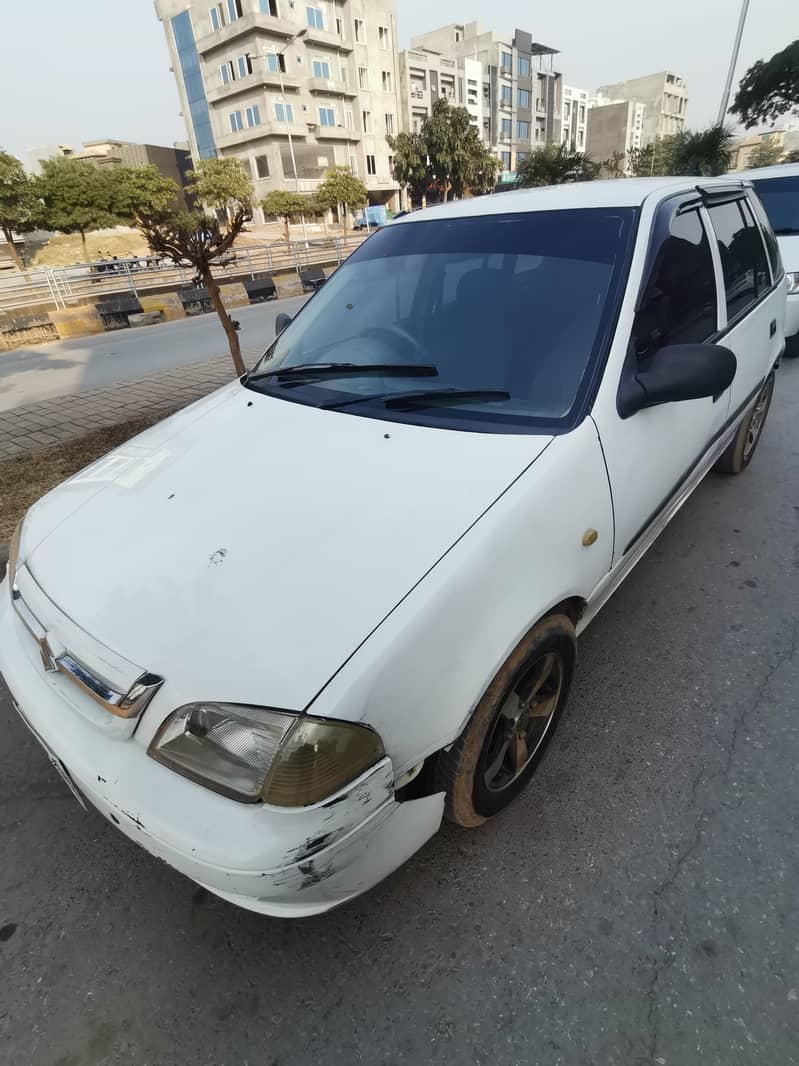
point(725, 99)
point(281, 53)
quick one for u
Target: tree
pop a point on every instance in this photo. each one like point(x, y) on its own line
point(75, 197)
point(458, 158)
point(769, 89)
point(143, 192)
point(18, 203)
point(765, 154)
point(285, 206)
point(197, 238)
point(410, 164)
point(342, 187)
point(613, 166)
point(655, 158)
point(703, 152)
point(554, 164)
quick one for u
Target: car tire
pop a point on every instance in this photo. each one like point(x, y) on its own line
point(738, 454)
point(505, 739)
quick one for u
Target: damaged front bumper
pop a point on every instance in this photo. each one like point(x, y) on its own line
point(277, 861)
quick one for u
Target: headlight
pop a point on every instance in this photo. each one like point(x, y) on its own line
point(13, 555)
point(252, 754)
point(793, 281)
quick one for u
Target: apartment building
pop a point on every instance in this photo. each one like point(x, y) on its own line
point(576, 103)
point(665, 97)
point(615, 129)
point(426, 76)
point(289, 88)
point(520, 90)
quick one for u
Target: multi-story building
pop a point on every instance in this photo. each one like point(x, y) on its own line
point(576, 103)
point(782, 141)
point(664, 96)
point(174, 163)
point(520, 102)
point(426, 76)
point(291, 89)
point(615, 129)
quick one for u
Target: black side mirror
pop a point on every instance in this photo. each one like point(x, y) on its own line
point(281, 321)
point(675, 373)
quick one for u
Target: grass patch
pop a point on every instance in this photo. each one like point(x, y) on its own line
point(24, 480)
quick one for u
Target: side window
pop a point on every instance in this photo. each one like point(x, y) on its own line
point(772, 247)
point(743, 258)
point(679, 301)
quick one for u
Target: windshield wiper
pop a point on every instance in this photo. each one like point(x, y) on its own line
point(304, 371)
point(411, 401)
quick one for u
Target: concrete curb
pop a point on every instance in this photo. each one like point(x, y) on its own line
point(3, 560)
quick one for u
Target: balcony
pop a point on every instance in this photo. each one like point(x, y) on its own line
point(326, 39)
point(333, 133)
point(331, 86)
point(258, 23)
point(258, 133)
point(256, 80)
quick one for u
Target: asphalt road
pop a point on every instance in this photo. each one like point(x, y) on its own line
point(43, 371)
point(638, 905)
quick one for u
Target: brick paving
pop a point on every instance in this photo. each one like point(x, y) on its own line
point(35, 426)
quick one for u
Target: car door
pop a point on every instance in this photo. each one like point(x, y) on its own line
point(753, 302)
point(652, 453)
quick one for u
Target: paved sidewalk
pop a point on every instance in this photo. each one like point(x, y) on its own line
point(38, 425)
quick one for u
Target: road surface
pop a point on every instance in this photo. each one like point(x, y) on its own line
point(638, 905)
point(63, 367)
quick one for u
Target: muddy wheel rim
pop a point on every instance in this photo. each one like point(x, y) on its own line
point(522, 724)
point(756, 422)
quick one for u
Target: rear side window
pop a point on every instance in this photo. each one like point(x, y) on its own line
point(772, 247)
point(743, 257)
point(780, 198)
point(679, 300)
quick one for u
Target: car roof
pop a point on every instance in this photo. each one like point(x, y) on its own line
point(615, 192)
point(779, 170)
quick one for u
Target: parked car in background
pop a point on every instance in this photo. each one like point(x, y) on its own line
point(375, 215)
point(778, 188)
point(276, 637)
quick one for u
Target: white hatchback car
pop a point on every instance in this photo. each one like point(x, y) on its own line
point(778, 189)
point(276, 637)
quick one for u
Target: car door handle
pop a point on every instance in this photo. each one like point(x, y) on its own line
point(772, 328)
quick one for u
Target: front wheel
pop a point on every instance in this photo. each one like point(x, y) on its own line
point(738, 454)
point(507, 735)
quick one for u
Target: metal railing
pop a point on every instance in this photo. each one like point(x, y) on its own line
point(60, 287)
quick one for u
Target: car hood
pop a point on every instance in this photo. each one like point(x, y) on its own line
point(246, 546)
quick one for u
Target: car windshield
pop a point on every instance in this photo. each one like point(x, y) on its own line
point(780, 198)
point(506, 317)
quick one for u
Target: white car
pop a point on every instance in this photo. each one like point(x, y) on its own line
point(778, 189)
point(275, 638)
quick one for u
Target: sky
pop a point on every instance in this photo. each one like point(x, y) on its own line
point(90, 69)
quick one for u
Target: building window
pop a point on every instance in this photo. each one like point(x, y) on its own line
point(261, 166)
point(315, 18)
point(505, 128)
point(567, 111)
point(275, 62)
point(216, 18)
point(506, 96)
point(580, 140)
point(384, 36)
point(523, 97)
point(340, 27)
point(506, 61)
point(371, 165)
point(390, 125)
point(505, 160)
point(321, 69)
point(327, 116)
point(523, 67)
point(360, 35)
point(223, 13)
point(235, 121)
point(253, 115)
point(234, 9)
point(363, 77)
point(386, 81)
point(268, 7)
point(226, 73)
point(349, 119)
point(189, 60)
point(366, 121)
point(582, 113)
point(244, 65)
point(284, 112)
point(523, 131)
point(520, 157)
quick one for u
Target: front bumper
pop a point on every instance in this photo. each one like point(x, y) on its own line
point(275, 861)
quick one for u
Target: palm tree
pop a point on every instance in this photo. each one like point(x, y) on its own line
point(703, 152)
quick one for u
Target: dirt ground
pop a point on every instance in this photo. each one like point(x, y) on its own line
point(23, 481)
point(65, 248)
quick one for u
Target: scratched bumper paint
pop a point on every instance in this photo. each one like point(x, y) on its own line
point(277, 861)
